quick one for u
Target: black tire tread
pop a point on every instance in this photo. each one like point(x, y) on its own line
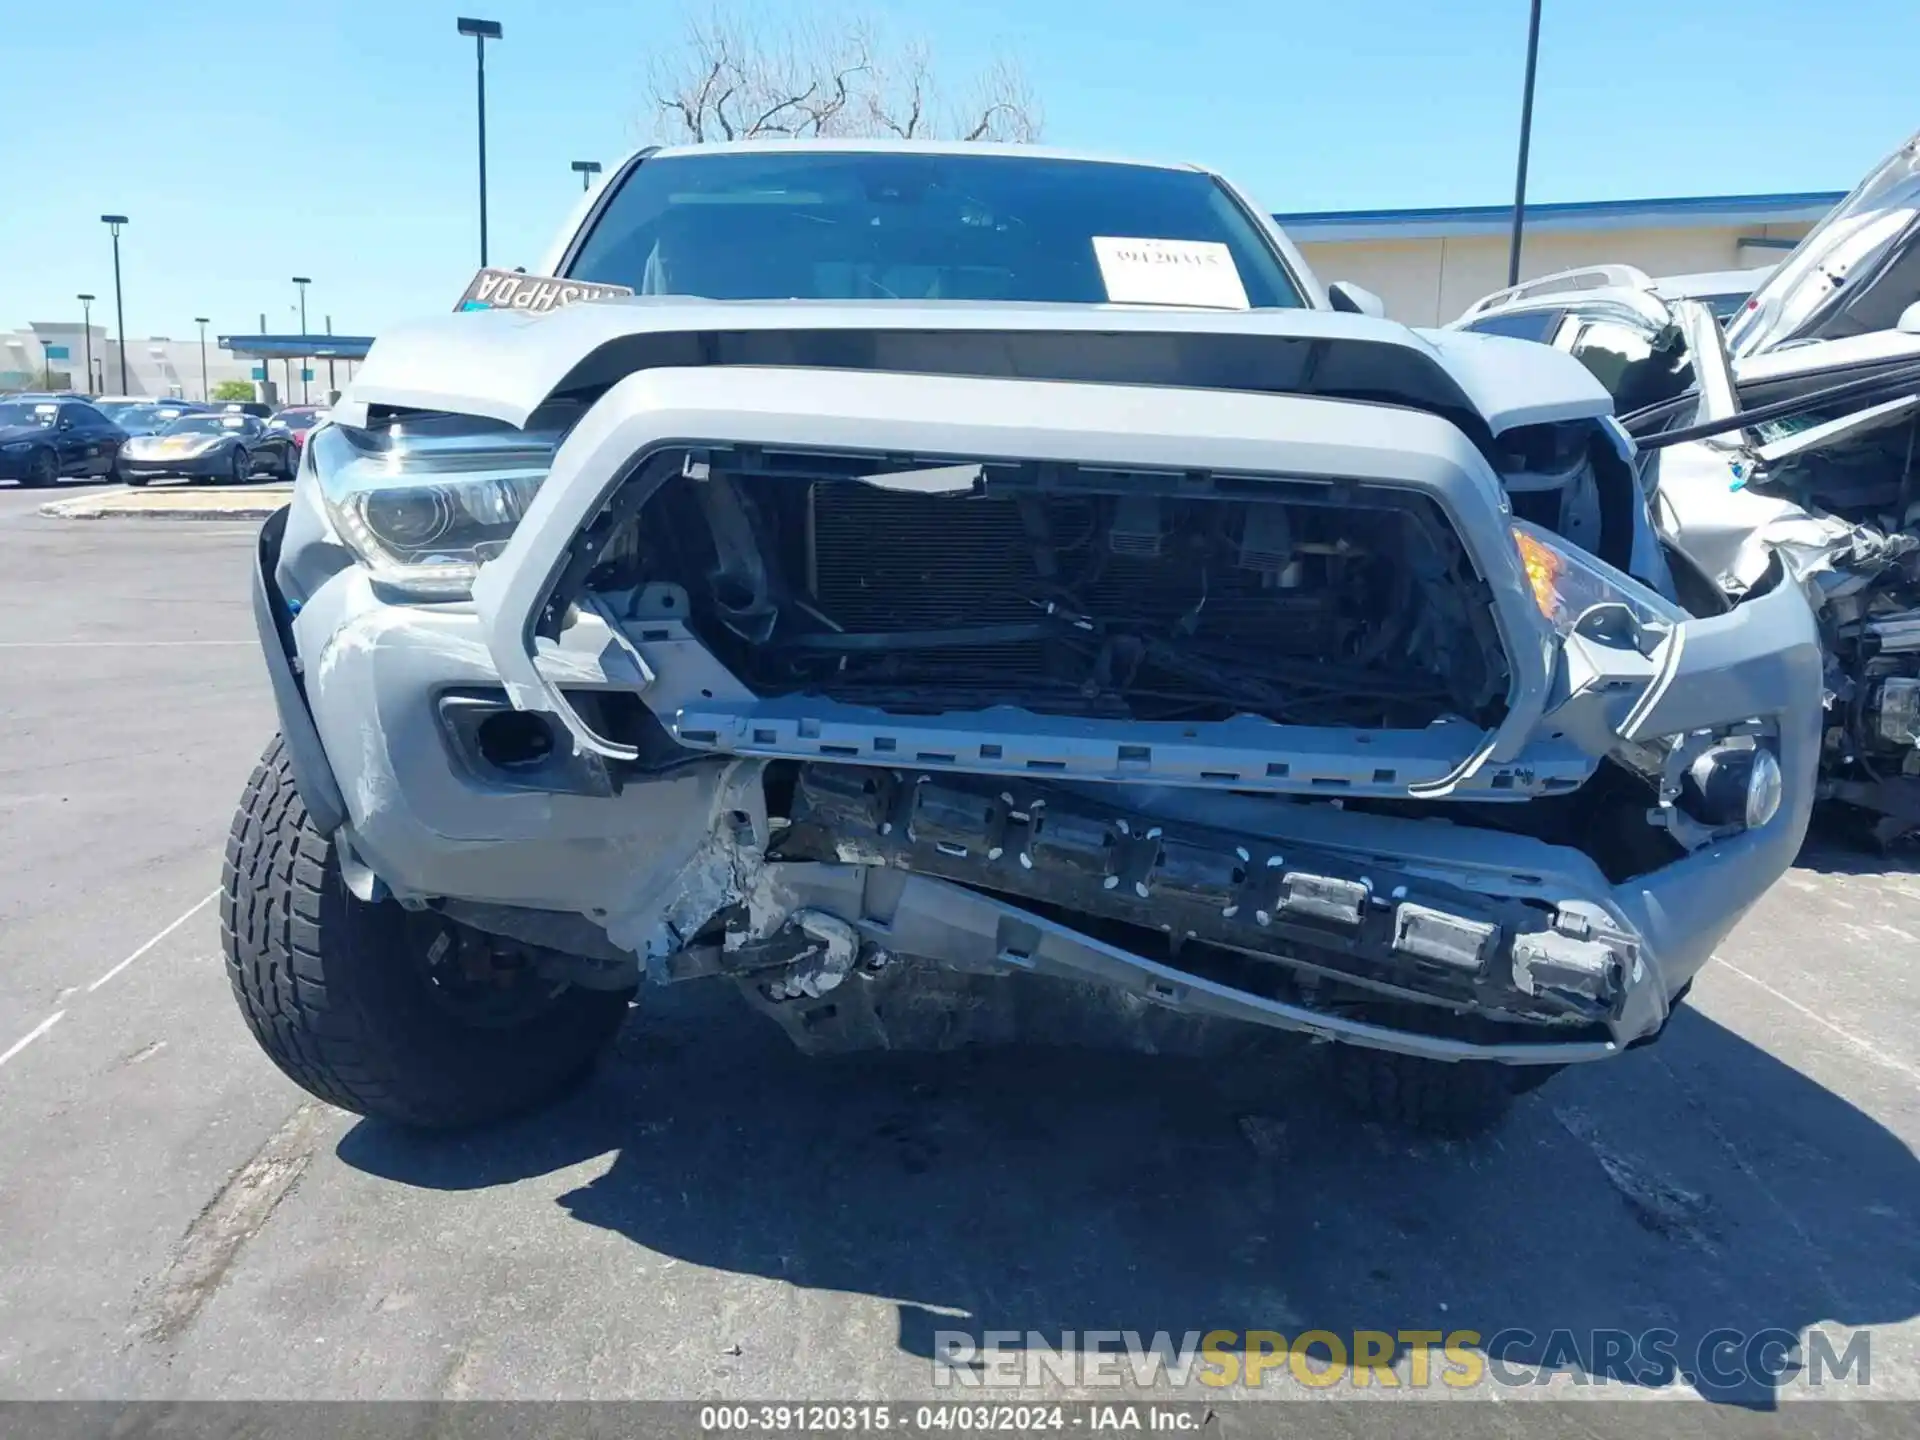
point(319, 979)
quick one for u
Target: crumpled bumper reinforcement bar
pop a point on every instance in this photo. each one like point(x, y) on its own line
point(1317, 915)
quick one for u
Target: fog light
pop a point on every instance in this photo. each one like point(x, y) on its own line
point(1733, 785)
point(514, 739)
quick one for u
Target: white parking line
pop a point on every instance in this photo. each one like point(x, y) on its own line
point(197, 907)
point(1865, 1047)
point(31, 1036)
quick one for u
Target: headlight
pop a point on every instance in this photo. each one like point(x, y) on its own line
point(1567, 582)
point(426, 501)
point(17, 446)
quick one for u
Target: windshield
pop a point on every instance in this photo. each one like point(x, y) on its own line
point(20, 413)
point(840, 225)
point(205, 425)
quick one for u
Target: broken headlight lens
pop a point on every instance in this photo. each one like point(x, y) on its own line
point(427, 500)
point(1567, 582)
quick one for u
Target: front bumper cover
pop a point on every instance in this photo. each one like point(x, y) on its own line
point(213, 463)
point(15, 459)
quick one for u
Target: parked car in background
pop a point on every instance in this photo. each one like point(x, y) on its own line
point(1069, 617)
point(1536, 309)
point(44, 441)
point(114, 406)
point(295, 421)
point(1615, 319)
point(152, 419)
point(208, 447)
point(258, 408)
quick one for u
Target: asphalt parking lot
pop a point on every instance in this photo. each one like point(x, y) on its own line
point(715, 1216)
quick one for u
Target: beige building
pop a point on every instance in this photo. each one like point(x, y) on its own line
point(1429, 265)
point(156, 365)
point(52, 354)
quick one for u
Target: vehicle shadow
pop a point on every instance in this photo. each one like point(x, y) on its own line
point(1695, 1187)
point(1839, 842)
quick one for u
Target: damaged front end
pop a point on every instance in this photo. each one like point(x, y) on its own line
point(875, 692)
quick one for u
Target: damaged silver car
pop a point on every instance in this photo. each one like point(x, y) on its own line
point(1792, 437)
point(972, 594)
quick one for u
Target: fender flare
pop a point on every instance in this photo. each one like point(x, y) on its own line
point(312, 773)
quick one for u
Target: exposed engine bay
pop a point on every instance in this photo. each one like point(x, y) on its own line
point(1869, 580)
point(1068, 592)
point(1819, 477)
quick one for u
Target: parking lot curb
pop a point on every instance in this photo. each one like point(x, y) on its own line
point(181, 502)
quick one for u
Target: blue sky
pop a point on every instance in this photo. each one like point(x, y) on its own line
point(1311, 106)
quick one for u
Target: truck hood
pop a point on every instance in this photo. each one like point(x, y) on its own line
point(503, 364)
point(1841, 279)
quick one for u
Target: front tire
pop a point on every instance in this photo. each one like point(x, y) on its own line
point(348, 998)
point(43, 470)
point(242, 469)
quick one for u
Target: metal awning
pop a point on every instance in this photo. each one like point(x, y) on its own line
point(298, 347)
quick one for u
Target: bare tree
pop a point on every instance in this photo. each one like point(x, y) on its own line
point(735, 79)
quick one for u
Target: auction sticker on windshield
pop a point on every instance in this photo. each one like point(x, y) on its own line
point(1169, 272)
point(493, 289)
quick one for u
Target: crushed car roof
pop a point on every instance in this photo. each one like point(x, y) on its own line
point(504, 364)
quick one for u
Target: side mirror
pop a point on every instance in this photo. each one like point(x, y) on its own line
point(66, 423)
point(1909, 321)
point(1345, 296)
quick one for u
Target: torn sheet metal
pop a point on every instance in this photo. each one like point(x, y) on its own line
point(1708, 502)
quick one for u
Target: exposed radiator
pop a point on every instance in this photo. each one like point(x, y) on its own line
point(883, 561)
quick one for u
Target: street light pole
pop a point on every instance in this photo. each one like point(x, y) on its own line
point(1526, 140)
point(587, 170)
point(331, 387)
point(481, 31)
point(86, 331)
point(113, 223)
point(303, 281)
point(206, 393)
